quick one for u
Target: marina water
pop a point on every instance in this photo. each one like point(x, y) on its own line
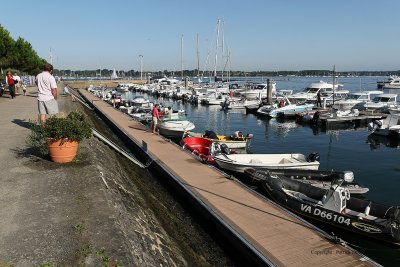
point(374, 161)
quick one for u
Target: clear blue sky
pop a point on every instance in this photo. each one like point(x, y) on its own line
point(261, 34)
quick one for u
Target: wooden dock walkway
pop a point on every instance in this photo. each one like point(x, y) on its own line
point(274, 235)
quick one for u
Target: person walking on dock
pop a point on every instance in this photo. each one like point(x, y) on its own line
point(47, 93)
point(156, 117)
point(319, 103)
point(17, 83)
point(11, 84)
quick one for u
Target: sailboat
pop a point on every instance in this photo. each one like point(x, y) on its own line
point(114, 75)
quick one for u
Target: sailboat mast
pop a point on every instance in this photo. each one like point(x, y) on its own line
point(182, 56)
point(198, 57)
point(222, 49)
point(216, 51)
point(333, 84)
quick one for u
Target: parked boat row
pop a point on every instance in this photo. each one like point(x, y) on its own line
point(291, 179)
point(335, 206)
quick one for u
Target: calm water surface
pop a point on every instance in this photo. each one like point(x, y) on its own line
point(375, 163)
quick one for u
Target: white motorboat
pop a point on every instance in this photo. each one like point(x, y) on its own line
point(174, 125)
point(141, 113)
point(356, 100)
point(259, 91)
point(238, 103)
point(266, 109)
point(123, 87)
point(381, 84)
point(286, 109)
point(393, 84)
point(252, 105)
point(325, 89)
point(381, 102)
point(386, 127)
point(290, 110)
point(240, 162)
point(139, 101)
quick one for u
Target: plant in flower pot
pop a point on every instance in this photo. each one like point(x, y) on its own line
point(59, 137)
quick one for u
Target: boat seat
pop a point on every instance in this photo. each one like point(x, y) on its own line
point(289, 160)
point(255, 161)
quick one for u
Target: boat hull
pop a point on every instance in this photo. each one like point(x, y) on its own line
point(174, 128)
point(231, 143)
point(199, 147)
point(240, 162)
point(290, 110)
point(386, 229)
point(316, 178)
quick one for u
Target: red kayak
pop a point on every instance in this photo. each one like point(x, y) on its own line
point(200, 147)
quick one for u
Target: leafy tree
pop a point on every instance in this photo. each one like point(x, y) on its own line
point(18, 55)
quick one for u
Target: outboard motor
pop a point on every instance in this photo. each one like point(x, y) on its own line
point(225, 149)
point(215, 149)
point(210, 134)
point(375, 124)
point(395, 224)
point(348, 176)
point(315, 117)
point(313, 157)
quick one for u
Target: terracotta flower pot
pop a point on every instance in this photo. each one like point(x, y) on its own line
point(62, 153)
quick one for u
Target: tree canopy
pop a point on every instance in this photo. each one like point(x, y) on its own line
point(18, 54)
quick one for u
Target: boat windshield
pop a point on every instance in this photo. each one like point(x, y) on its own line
point(176, 116)
point(312, 90)
point(357, 97)
point(382, 99)
point(260, 86)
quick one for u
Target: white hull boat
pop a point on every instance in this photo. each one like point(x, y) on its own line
point(174, 126)
point(381, 102)
point(286, 110)
point(393, 84)
point(386, 127)
point(140, 101)
point(325, 89)
point(240, 162)
point(260, 91)
point(356, 100)
point(290, 110)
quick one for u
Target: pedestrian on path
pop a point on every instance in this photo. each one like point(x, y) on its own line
point(47, 93)
point(156, 117)
point(11, 84)
point(17, 83)
point(23, 86)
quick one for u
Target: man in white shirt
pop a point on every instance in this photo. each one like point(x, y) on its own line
point(18, 83)
point(47, 93)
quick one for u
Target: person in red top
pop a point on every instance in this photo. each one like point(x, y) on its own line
point(156, 117)
point(11, 84)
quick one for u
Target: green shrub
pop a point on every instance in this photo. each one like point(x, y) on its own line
point(74, 127)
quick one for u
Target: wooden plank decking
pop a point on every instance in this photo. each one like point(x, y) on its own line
point(282, 238)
